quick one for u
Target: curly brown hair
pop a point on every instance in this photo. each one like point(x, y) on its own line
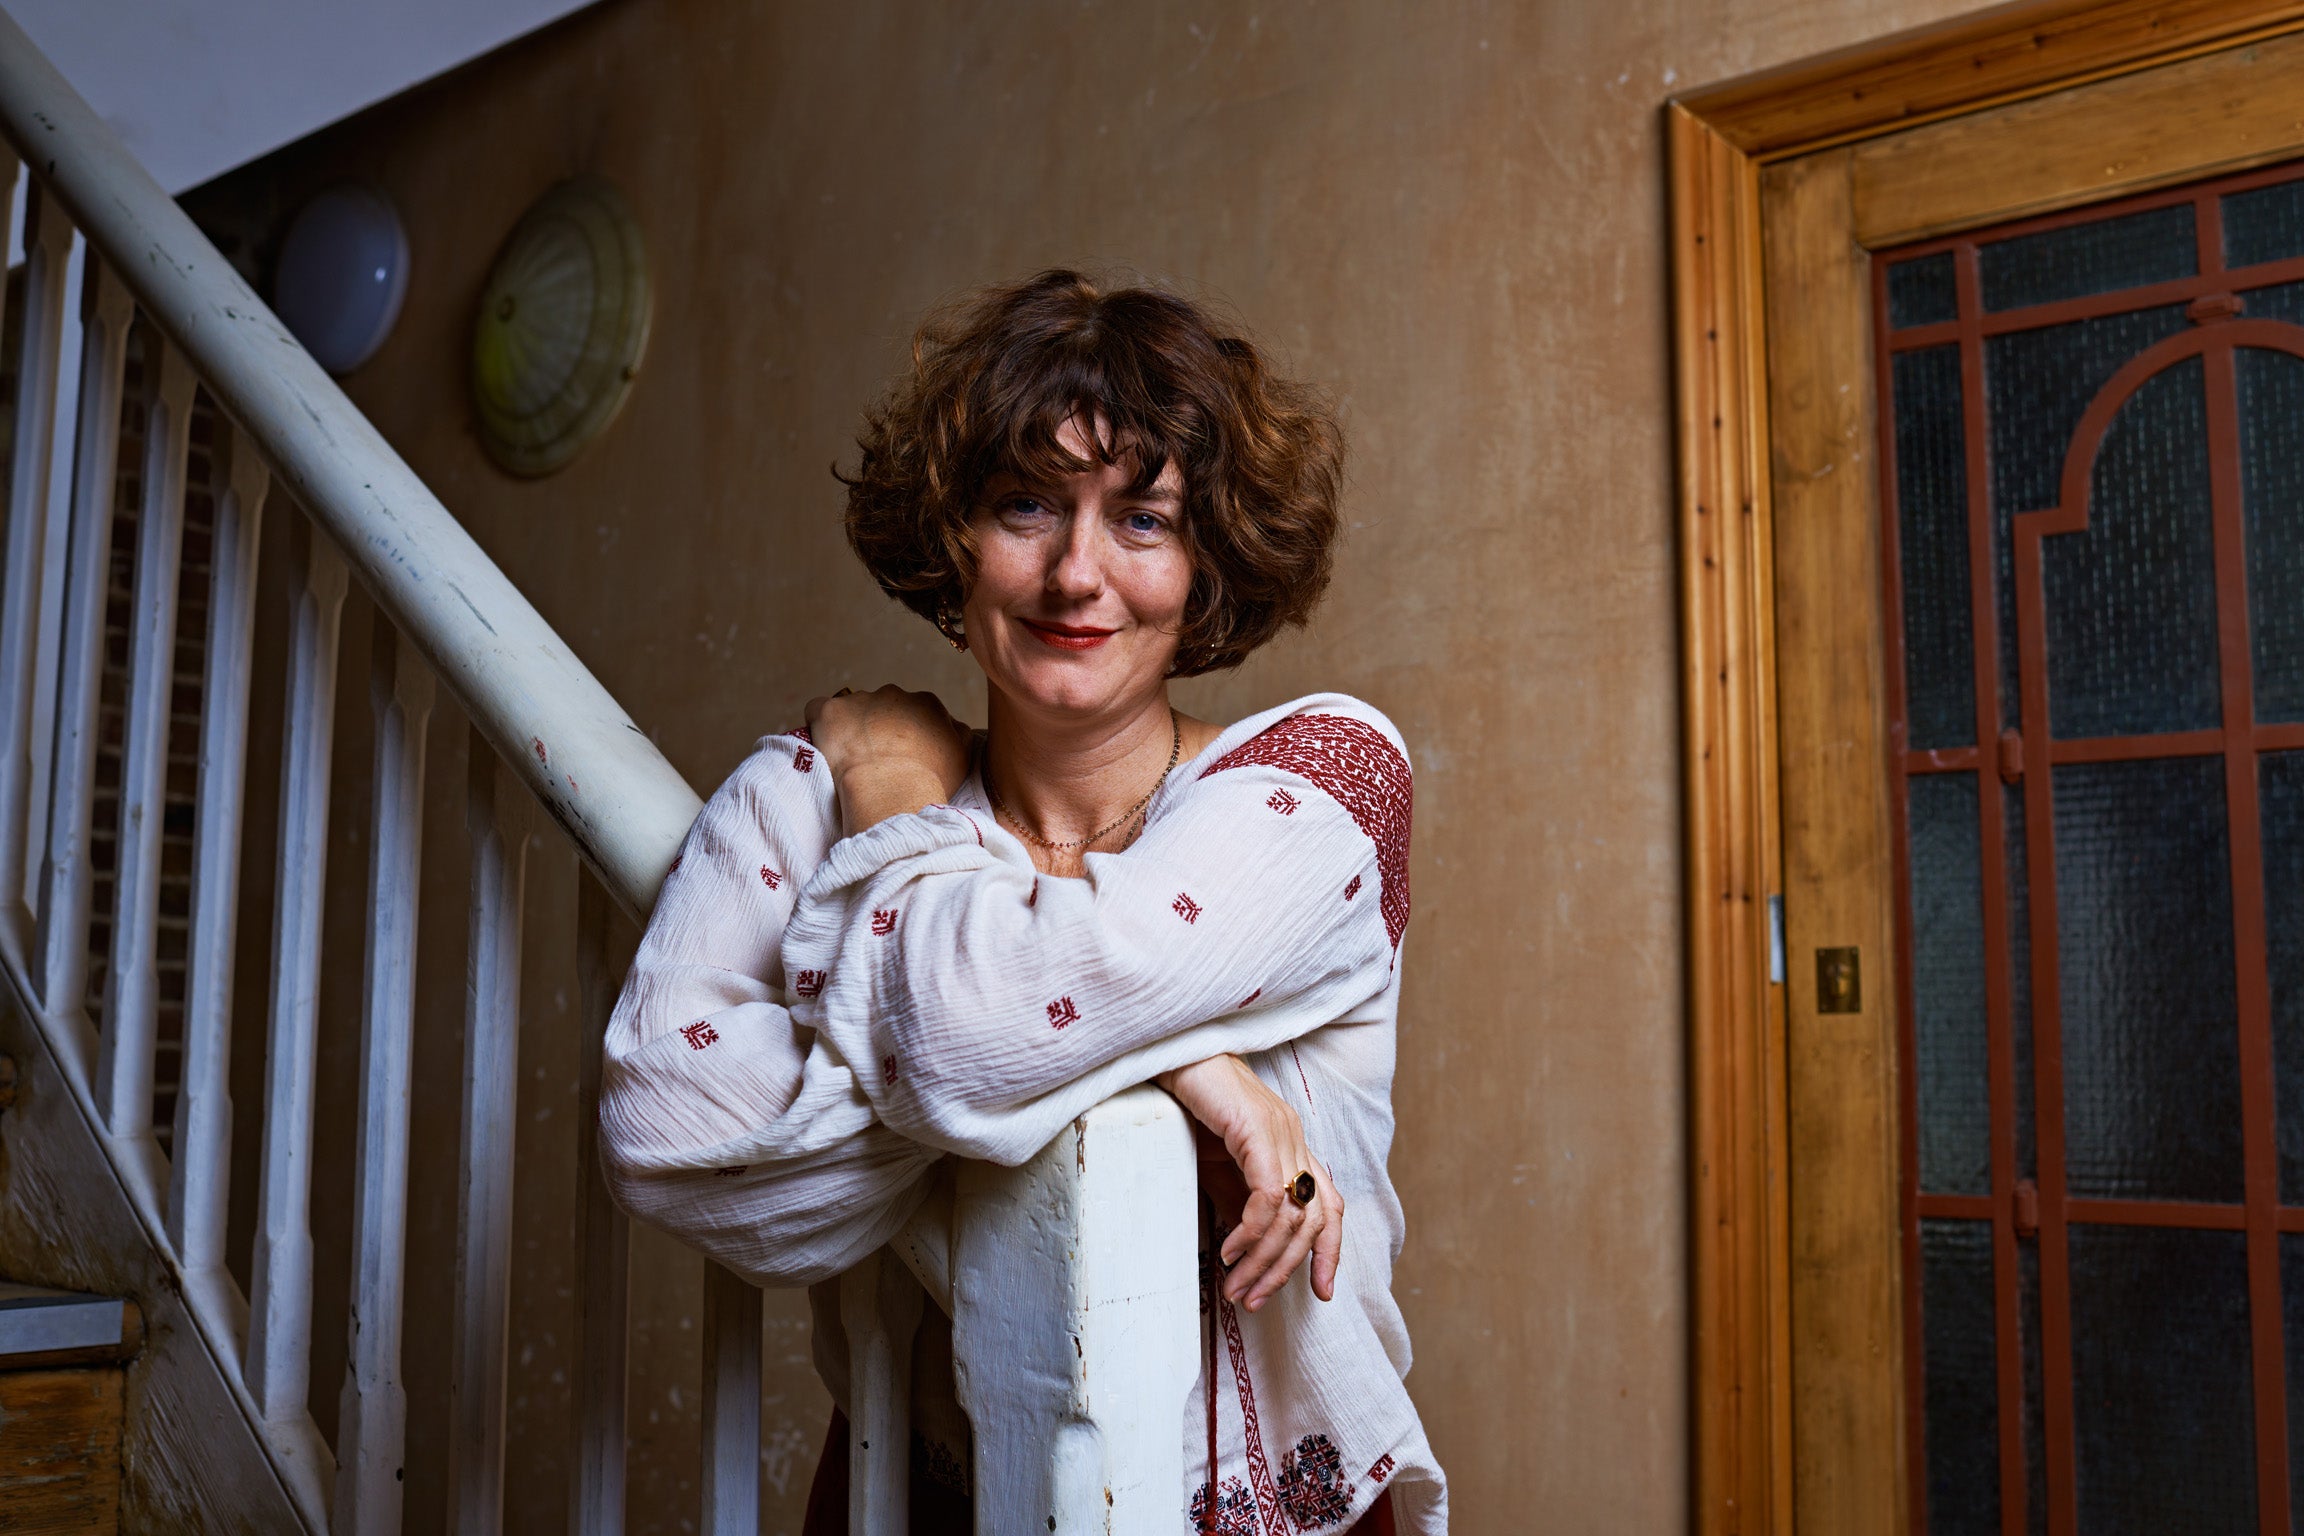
point(994, 378)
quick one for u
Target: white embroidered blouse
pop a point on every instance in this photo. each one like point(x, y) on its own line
point(813, 1021)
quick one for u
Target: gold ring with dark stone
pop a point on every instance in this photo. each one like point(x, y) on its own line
point(1303, 1189)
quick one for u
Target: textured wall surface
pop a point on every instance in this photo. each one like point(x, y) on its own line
point(1453, 217)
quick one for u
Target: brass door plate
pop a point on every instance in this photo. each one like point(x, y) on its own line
point(1839, 981)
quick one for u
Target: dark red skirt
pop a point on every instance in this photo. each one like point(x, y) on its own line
point(939, 1511)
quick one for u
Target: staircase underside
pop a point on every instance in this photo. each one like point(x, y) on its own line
point(190, 1459)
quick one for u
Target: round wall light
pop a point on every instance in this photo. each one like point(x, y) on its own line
point(562, 324)
point(342, 275)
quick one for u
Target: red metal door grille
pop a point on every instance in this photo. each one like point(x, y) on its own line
point(2022, 676)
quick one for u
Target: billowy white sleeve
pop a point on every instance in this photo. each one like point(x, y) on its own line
point(984, 1005)
point(723, 1121)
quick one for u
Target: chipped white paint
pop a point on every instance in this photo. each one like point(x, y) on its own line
point(199, 1174)
point(603, 1251)
point(132, 1004)
point(1075, 1323)
point(69, 880)
point(372, 1413)
point(497, 818)
point(280, 1309)
point(47, 248)
point(730, 1443)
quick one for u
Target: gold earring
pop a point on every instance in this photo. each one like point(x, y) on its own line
point(948, 625)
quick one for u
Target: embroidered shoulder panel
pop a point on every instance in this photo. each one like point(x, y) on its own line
point(1357, 766)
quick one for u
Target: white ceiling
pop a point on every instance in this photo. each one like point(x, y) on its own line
point(196, 87)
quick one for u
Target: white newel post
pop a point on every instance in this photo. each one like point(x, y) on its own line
point(1075, 1323)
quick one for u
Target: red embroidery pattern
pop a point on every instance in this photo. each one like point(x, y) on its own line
point(1259, 1470)
point(808, 983)
point(1382, 1469)
point(1251, 997)
point(801, 731)
point(1061, 1012)
point(1033, 900)
point(699, 1035)
point(1185, 907)
point(770, 878)
point(729, 1173)
point(1300, 1077)
point(803, 759)
point(542, 756)
point(1357, 764)
point(1283, 802)
point(888, 1069)
point(1312, 1486)
point(883, 921)
point(1353, 889)
point(1234, 1514)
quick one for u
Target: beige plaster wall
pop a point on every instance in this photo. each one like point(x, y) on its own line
point(1452, 215)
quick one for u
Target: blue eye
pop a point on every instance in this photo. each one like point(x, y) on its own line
point(1143, 522)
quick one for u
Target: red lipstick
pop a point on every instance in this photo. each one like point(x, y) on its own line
point(1068, 637)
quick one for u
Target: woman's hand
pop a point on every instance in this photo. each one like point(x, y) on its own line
point(890, 751)
point(1264, 1140)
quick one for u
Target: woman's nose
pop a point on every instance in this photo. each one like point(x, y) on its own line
point(1079, 568)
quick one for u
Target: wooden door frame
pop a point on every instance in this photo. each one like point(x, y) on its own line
point(1720, 141)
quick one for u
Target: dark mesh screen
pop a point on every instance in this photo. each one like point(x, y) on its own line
point(2266, 224)
point(2037, 385)
point(1960, 1390)
point(1932, 545)
point(2144, 936)
point(2272, 493)
point(2080, 259)
point(1923, 291)
point(2161, 1382)
point(2131, 599)
point(1948, 1018)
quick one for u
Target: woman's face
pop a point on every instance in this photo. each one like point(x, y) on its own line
point(1080, 586)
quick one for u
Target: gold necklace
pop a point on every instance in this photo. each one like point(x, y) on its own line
point(1175, 750)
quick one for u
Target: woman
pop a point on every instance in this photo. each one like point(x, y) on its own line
point(887, 940)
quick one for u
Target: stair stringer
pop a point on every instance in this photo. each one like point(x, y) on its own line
point(192, 1457)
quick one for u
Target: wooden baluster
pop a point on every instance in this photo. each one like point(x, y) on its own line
point(731, 1403)
point(47, 254)
point(373, 1411)
point(1075, 1322)
point(880, 1306)
point(67, 879)
point(132, 1004)
point(500, 820)
point(603, 1239)
point(280, 1310)
point(200, 1154)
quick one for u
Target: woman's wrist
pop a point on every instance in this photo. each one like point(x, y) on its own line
point(873, 791)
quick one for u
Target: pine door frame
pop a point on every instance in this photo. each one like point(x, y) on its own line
point(1785, 181)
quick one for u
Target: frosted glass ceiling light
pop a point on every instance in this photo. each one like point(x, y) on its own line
point(562, 325)
point(343, 272)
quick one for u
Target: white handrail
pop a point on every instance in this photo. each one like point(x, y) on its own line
point(623, 805)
